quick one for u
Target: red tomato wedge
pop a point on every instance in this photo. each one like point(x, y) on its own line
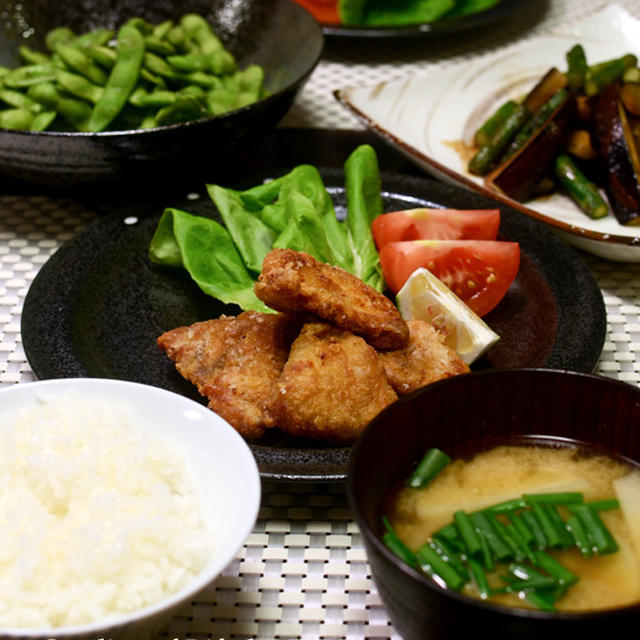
point(325, 11)
point(479, 272)
point(436, 224)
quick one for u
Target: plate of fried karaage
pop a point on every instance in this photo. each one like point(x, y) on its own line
point(98, 307)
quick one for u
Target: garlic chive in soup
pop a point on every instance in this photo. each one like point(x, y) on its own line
point(549, 528)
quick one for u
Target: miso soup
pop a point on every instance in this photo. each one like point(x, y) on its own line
point(604, 580)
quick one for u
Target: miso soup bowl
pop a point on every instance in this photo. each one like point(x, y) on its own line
point(462, 416)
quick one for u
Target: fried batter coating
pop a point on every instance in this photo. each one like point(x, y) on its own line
point(235, 362)
point(294, 281)
point(332, 385)
point(426, 359)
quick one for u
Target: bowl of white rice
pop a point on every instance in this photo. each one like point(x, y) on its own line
point(119, 502)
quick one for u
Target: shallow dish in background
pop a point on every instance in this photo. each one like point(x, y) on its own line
point(223, 469)
point(98, 305)
point(432, 119)
point(462, 416)
point(279, 35)
point(439, 29)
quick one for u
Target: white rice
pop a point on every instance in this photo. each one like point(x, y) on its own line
point(95, 518)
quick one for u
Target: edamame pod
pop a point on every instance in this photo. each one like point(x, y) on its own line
point(16, 118)
point(77, 60)
point(122, 79)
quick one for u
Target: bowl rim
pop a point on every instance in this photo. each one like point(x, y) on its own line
point(217, 561)
point(416, 576)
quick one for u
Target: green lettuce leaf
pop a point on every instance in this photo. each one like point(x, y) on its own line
point(294, 211)
point(205, 249)
point(405, 12)
point(364, 203)
point(467, 7)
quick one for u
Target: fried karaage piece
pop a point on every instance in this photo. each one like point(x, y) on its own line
point(235, 362)
point(294, 281)
point(332, 385)
point(426, 359)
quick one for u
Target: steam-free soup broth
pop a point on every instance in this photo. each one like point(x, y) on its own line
point(505, 473)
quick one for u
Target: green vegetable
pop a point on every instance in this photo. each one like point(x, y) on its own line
point(488, 128)
point(364, 203)
point(434, 565)
point(381, 13)
point(396, 545)
point(43, 120)
point(533, 124)
point(252, 237)
point(59, 35)
point(605, 505)
point(19, 100)
point(29, 75)
point(76, 112)
point(210, 84)
point(185, 107)
point(104, 56)
point(406, 12)
point(465, 548)
point(579, 535)
point(122, 79)
point(480, 578)
point(551, 531)
point(95, 38)
point(16, 119)
point(549, 564)
point(597, 532)
point(534, 526)
point(400, 549)
point(293, 211)
point(45, 93)
point(468, 7)
point(553, 498)
point(509, 535)
point(205, 249)
point(78, 86)
point(576, 68)
point(431, 464)
point(522, 528)
point(468, 535)
point(486, 157)
point(449, 535)
point(499, 548)
point(583, 192)
point(449, 554)
point(566, 540)
point(77, 60)
point(32, 57)
point(600, 75)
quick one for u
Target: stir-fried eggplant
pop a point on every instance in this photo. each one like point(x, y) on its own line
point(551, 83)
point(619, 152)
point(519, 176)
point(575, 127)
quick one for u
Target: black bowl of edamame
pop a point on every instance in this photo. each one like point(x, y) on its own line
point(99, 92)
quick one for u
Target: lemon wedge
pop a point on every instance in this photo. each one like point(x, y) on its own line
point(425, 297)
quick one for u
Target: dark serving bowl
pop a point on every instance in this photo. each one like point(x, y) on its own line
point(461, 416)
point(279, 35)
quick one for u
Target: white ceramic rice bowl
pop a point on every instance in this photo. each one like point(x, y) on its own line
point(223, 469)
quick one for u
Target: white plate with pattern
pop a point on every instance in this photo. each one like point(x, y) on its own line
point(431, 118)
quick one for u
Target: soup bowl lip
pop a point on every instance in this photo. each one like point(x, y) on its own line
point(423, 581)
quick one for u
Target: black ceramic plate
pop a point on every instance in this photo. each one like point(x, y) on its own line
point(501, 11)
point(97, 306)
